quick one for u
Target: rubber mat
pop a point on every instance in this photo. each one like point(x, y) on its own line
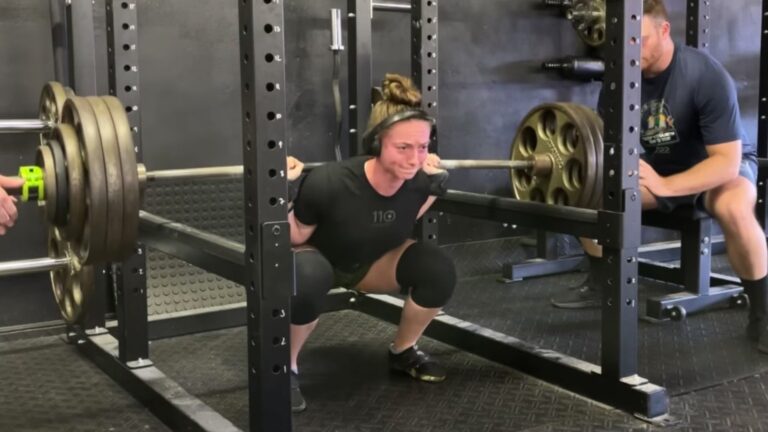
point(45, 385)
point(704, 350)
point(348, 387)
point(734, 406)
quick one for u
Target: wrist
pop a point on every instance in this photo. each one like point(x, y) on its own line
point(294, 187)
point(438, 183)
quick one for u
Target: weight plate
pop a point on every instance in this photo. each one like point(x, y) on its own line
point(114, 173)
point(67, 136)
point(589, 141)
point(72, 285)
point(588, 18)
point(595, 123)
point(62, 189)
point(92, 244)
point(52, 100)
point(131, 189)
point(555, 131)
point(590, 172)
point(44, 159)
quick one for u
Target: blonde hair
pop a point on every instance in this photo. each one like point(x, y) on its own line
point(399, 94)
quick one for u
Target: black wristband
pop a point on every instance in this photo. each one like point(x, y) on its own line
point(294, 187)
point(437, 183)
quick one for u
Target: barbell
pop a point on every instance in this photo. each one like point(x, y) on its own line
point(89, 184)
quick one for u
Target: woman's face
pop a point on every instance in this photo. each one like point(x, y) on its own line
point(404, 147)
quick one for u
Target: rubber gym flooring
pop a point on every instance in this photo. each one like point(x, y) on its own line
point(716, 380)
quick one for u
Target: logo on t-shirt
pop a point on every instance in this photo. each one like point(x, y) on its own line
point(659, 129)
point(382, 217)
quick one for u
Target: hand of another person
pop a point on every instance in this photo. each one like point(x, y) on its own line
point(655, 183)
point(294, 167)
point(8, 211)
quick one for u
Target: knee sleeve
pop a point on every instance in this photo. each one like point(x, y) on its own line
point(428, 273)
point(313, 279)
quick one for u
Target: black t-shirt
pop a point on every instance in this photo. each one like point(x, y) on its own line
point(355, 224)
point(690, 105)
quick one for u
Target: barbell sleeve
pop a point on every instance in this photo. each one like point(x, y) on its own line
point(36, 265)
point(25, 126)
point(391, 6)
point(234, 171)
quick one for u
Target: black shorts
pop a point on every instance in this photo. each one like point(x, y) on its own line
point(350, 279)
point(747, 169)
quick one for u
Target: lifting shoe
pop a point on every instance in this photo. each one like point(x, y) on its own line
point(298, 404)
point(417, 364)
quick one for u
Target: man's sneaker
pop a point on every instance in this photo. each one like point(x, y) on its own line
point(417, 364)
point(298, 404)
point(757, 332)
point(755, 327)
point(583, 297)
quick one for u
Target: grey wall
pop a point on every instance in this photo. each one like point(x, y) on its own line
point(489, 79)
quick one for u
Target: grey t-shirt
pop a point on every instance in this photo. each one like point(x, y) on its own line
point(690, 105)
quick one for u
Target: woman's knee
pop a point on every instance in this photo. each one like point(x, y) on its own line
point(313, 279)
point(428, 273)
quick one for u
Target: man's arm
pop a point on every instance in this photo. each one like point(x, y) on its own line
point(721, 166)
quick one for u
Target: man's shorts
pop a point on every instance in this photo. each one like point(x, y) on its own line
point(747, 169)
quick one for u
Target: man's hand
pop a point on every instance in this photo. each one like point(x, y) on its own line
point(294, 167)
point(655, 183)
point(8, 213)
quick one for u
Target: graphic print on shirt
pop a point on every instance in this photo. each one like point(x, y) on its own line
point(384, 217)
point(659, 131)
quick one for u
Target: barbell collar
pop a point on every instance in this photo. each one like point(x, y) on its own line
point(37, 265)
point(25, 126)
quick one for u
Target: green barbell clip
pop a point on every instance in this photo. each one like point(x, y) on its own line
point(34, 186)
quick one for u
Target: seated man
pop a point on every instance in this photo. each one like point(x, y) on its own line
point(351, 226)
point(696, 152)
